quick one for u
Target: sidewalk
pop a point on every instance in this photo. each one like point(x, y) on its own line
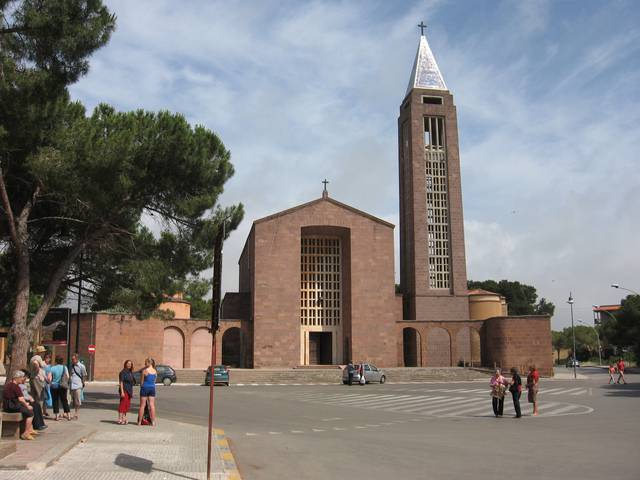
point(96, 447)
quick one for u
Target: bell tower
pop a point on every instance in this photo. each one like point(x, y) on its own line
point(432, 254)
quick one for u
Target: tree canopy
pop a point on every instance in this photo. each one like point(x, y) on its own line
point(622, 328)
point(521, 299)
point(136, 193)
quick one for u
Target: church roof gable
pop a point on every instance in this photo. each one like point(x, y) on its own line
point(425, 73)
point(329, 200)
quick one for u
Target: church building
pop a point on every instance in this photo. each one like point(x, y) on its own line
point(317, 281)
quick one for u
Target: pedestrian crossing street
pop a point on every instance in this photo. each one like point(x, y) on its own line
point(449, 402)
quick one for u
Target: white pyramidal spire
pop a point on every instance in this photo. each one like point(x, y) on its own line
point(425, 73)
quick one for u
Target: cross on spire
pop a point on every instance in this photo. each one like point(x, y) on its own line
point(325, 193)
point(422, 27)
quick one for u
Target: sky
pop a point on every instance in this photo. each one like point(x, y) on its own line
point(547, 94)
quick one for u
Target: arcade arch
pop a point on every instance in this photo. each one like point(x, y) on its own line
point(173, 347)
point(200, 348)
point(412, 347)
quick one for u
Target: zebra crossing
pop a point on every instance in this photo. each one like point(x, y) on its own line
point(543, 391)
point(444, 403)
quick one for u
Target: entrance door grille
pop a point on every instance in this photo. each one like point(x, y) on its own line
point(320, 281)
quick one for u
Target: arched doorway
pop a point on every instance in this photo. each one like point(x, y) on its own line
point(476, 353)
point(173, 347)
point(411, 347)
point(232, 347)
point(463, 346)
point(438, 347)
point(200, 348)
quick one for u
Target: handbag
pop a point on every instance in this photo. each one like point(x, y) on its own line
point(64, 381)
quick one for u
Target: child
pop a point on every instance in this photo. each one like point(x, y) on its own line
point(612, 372)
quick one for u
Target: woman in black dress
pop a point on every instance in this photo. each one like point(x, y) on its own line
point(125, 389)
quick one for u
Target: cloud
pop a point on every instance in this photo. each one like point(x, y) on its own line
point(547, 108)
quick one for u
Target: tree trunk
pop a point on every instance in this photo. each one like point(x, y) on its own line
point(19, 332)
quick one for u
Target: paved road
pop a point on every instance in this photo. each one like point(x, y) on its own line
point(585, 430)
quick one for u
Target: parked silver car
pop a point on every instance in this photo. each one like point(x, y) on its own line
point(371, 373)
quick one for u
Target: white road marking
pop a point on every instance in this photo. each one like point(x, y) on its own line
point(318, 430)
point(549, 390)
point(297, 431)
point(562, 392)
point(416, 401)
point(249, 434)
point(429, 410)
point(427, 404)
point(275, 433)
point(581, 392)
point(567, 408)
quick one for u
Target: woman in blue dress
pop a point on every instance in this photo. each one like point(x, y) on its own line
point(148, 390)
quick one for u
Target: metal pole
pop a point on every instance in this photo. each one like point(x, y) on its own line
point(68, 337)
point(597, 337)
point(573, 331)
point(79, 303)
point(215, 324)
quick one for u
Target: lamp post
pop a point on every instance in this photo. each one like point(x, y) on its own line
point(615, 285)
point(597, 336)
point(573, 333)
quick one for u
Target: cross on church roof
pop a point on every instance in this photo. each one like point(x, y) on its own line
point(325, 193)
point(422, 27)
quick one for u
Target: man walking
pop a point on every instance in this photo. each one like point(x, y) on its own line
point(78, 374)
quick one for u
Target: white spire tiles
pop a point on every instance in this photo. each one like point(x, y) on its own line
point(425, 73)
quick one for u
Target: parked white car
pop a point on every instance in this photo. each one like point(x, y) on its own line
point(371, 373)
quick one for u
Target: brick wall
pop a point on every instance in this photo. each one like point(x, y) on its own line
point(369, 311)
point(518, 342)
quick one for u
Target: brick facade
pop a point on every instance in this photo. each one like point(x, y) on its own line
point(270, 268)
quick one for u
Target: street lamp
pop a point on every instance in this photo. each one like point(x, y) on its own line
point(615, 285)
point(597, 336)
point(573, 333)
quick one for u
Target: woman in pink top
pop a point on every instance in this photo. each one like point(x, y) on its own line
point(498, 386)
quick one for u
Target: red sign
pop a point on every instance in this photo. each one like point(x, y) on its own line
point(92, 349)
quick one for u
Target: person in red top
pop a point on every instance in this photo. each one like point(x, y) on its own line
point(620, 366)
point(532, 386)
point(612, 371)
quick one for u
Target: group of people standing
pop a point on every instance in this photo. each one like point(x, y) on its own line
point(49, 386)
point(499, 386)
point(126, 382)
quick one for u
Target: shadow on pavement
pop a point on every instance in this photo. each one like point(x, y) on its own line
point(106, 401)
point(142, 465)
point(630, 390)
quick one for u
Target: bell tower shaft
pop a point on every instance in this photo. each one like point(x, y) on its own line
point(432, 251)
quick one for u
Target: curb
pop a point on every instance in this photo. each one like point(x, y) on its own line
point(54, 454)
point(230, 466)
